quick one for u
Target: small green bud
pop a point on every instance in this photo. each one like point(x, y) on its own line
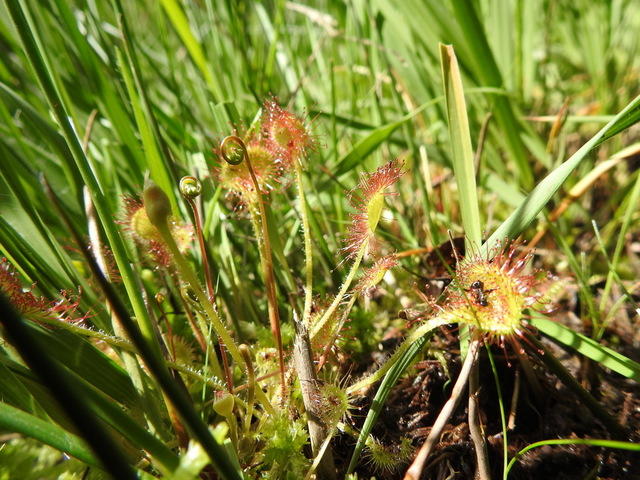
point(156, 204)
point(224, 406)
point(190, 187)
point(147, 275)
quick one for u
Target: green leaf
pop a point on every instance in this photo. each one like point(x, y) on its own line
point(593, 442)
point(180, 22)
point(402, 358)
point(483, 64)
point(64, 389)
point(13, 392)
point(588, 347)
point(463, 165)
point(15, 420)
point(543, 191)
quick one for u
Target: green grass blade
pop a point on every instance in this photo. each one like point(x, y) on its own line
point(15, 420)
point(544, 190)
point(179, 20)
point(73, 402)
point(588, 347)
point(41, 125)
point(114, 415)
point(15, 393)
point(117, 415)
point(390, 379)
point(159, 166)
point(38, 58)
point(418, 338)
point(487, 72)
point(593, 442)
point(463, 165)
point(88, 362)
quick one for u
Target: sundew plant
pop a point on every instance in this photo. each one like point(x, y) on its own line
point(276, 240)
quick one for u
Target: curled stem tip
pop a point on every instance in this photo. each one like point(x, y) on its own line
point(190, 187)
point(237, 154)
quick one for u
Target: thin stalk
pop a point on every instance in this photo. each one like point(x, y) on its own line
point(251, 386)
point(266, 258)
point(193, 323)
point(593, 442)
point(187, 274)
point(415, 470)
point(315, 329)
point(475, 429)
point(190, 189)
point(268, 266)
point(308, 250)
point(336, 332)
point(116, 342)
point(515, 397)
point(200, 328)
point(503, 418)
point(203, 251)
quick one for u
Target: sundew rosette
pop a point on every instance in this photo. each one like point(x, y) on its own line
point(493, 294)
point(490, 293)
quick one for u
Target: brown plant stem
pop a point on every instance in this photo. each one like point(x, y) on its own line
point(197, 222)
point(265, 254)
point(475, 428)
point(311, 397)
point(194, 325)
point(515, 396)
point(415, 470)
